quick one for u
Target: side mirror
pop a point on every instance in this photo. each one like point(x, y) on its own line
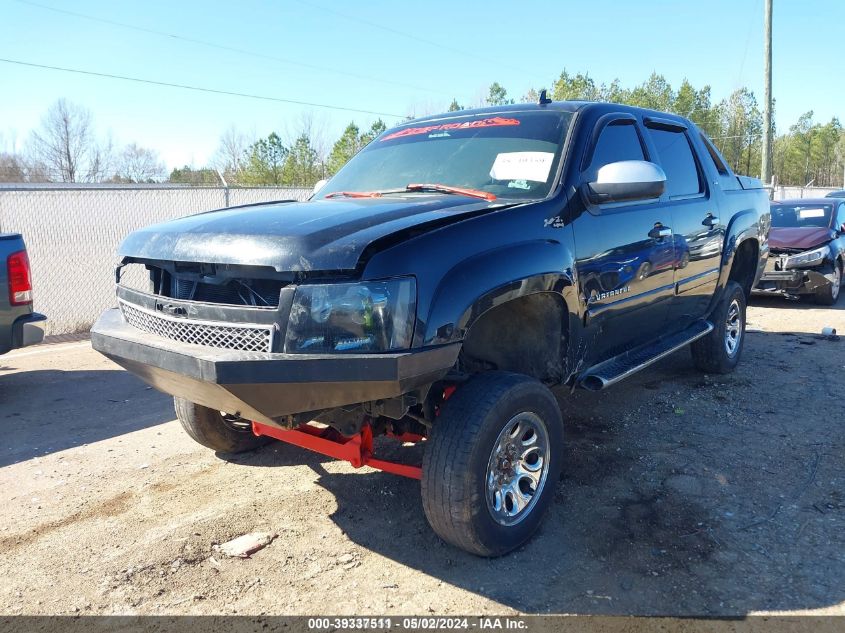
point(319, 185)
point(626, 181)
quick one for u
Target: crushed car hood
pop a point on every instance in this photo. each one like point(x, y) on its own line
point(296, 236)
point(799, 237)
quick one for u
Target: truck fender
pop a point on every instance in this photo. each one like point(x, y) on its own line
point(492, 278)
point(744, 225)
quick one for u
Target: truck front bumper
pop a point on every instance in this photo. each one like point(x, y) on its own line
point(264, 386)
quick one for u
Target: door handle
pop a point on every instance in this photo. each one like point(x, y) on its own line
point(660, 231)
point(710, 220)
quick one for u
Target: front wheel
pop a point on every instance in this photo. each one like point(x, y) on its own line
point(221, 432)
point(492, 462)
point(719, 351)
point(828, 295)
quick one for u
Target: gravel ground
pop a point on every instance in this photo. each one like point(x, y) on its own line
point(683, 494)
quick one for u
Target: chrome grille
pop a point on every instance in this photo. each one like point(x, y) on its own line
point(244, 338)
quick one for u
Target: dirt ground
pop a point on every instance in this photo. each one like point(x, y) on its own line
point(683, 494)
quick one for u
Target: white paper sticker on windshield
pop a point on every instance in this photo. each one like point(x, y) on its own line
point(810, 213)
point(532, 166)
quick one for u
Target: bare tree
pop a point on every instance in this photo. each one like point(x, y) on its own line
point(139, 164)
point(16, 166)
point(306, 139)
point(531, 96)
point(35, 171)
point(67, 146)
point(312, 126)
point(12, 168)
point(229, 156)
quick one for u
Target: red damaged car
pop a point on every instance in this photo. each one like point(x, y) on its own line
point(806, 249)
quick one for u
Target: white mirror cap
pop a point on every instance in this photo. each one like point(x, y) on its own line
point(319, 185)
point(630, 171)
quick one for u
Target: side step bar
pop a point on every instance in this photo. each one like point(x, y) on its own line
point(615, 369)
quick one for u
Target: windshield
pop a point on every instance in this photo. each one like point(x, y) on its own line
point(793, 216)
point(512, 155)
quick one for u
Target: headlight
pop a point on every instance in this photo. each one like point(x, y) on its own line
point(373, 316)
point(807, 258)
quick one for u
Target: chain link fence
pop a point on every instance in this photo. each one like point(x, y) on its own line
point(787, 193)
point(72, 233)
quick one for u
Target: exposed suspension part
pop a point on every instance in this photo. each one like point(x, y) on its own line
point(357, 450)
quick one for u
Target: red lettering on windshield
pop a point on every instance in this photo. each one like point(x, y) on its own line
point(495, 121)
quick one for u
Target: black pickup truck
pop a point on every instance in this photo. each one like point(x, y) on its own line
point(437, 286)
point(19, 325)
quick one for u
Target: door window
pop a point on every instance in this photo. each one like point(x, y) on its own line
point(715, 158)
point(678, 161)
point(618, 140)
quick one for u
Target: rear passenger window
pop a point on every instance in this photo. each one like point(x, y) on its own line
point(678, 162)
point(617, 141)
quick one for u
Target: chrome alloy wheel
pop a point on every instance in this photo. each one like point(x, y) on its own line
point(733, 328)
point(836, 283)
point(517, 469)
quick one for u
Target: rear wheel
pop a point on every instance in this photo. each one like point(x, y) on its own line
point(829, 294)
point(719, 351)
point(492, 462)
point(219, 431)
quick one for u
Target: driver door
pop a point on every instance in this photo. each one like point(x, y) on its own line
point(624, 252)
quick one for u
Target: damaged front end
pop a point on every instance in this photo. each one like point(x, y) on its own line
point(795, 272)
point(265, 346)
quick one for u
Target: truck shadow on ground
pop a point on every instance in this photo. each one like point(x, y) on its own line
point(682, 494)
point(46, 411)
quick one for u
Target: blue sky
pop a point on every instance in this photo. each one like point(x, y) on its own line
point(411, 57)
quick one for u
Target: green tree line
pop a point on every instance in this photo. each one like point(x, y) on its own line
point(300, 163)
point(807, 152)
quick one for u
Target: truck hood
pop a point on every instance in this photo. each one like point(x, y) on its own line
point(297, 236)
point(803, 237)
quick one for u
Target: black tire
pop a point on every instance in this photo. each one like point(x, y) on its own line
point(461, 447)
point(829, 294)
point(209, 428)
point(644, 270)
point(711, 354)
